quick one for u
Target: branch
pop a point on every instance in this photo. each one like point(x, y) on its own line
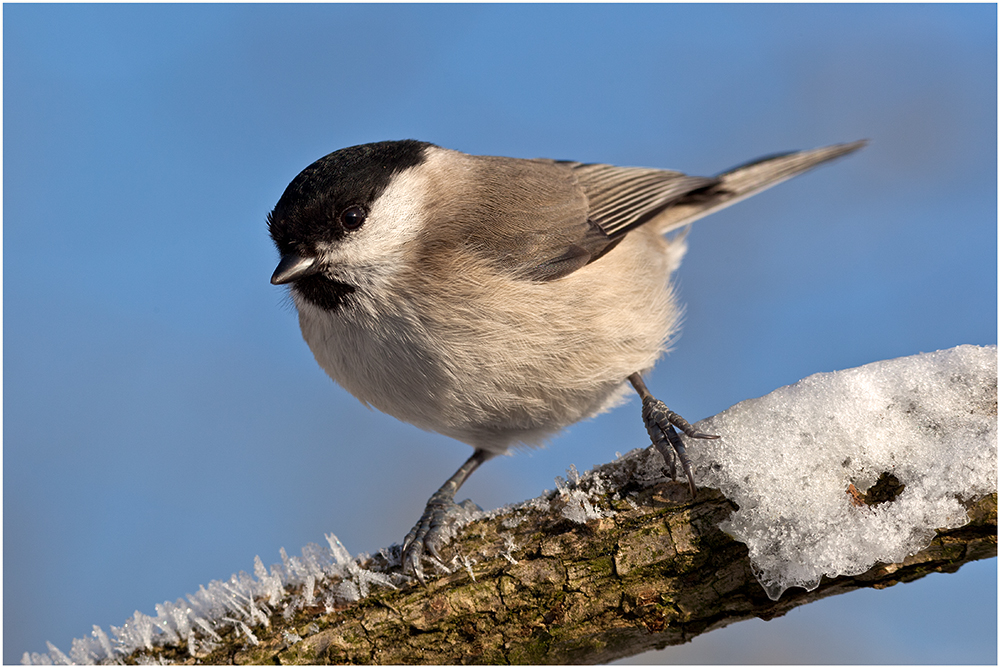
point(621, 560)
point(657, 574)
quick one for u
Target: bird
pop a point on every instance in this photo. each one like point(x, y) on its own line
point(496, 300)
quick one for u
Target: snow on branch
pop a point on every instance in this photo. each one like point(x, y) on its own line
point(929, 422)
point(858, 478)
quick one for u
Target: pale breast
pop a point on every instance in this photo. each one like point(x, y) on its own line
point(496, 363)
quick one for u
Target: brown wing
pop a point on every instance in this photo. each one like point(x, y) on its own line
point(543, 219)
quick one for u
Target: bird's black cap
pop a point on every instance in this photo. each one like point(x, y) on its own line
point(310, 207)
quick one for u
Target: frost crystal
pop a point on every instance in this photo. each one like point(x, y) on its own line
point(509, 547)
point(240, 603)
point(578, 506)
point(788, 460)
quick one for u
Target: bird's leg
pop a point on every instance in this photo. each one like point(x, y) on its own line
point(660, 422)
point(427, 533)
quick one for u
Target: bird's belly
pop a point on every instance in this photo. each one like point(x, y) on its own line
point(494, 373)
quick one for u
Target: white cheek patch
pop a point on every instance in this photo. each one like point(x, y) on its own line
point(377, 249)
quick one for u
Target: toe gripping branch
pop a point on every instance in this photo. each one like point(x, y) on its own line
point(660, 422)
point(425, 538)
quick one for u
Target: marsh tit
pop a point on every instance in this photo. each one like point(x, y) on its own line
point(495, 300)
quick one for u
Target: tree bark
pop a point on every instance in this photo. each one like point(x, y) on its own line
point(657, 572)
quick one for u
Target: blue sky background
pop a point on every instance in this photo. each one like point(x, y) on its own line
point(163, 420)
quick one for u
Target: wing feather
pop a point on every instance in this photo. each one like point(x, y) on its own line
point(544, 219)
point(549, 218)
point(623, 198)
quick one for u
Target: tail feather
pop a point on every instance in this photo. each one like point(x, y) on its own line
point(748, 179)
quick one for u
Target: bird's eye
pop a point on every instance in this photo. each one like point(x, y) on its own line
point(352, 217)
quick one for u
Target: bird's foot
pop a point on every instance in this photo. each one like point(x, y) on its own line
point(431, 532)
point(435, 525)
point(660, 422)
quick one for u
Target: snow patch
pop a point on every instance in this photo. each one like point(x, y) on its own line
point(789, 458)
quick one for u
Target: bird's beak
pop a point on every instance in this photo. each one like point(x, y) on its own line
point(293, 267)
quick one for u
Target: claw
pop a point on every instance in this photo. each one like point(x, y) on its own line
point(425, 537)
point(660, 422)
